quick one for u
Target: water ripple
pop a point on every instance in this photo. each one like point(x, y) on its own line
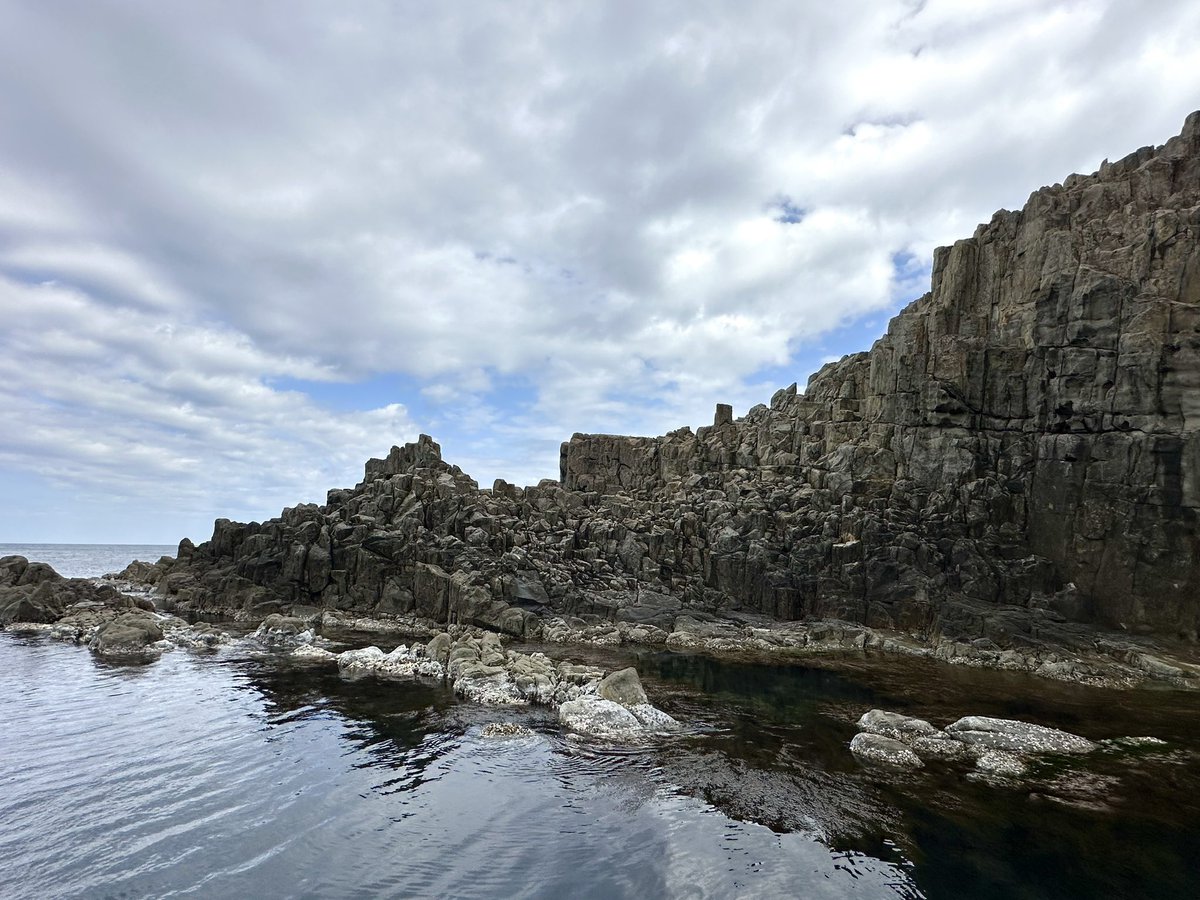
point(223, 776)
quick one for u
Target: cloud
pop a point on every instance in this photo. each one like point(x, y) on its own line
point(538, 219)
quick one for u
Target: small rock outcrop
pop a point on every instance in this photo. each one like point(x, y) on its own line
point(999, 748)
point(885, 751)
point(134, 633)
point(1016, 737)
point(32, 592)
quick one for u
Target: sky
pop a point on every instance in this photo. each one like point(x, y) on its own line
point(245, 246)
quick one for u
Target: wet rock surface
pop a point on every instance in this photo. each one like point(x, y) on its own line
point(130, 633)
point(1017, 737)
point(884, 750)
point(999, 749)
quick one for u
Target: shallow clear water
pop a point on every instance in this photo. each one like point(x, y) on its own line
point(236, 774)
point(88, 560)
point(229, 775)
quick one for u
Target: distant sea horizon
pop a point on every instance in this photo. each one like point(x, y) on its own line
point(88, 560)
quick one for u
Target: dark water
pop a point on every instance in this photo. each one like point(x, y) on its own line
point(88, 560)
point(241, 775)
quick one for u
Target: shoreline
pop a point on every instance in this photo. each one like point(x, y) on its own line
point(1093, 657)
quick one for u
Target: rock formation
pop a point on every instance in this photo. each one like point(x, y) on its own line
point(1020, 452)
point(35, 593)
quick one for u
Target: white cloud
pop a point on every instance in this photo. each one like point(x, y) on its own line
point(534, 219)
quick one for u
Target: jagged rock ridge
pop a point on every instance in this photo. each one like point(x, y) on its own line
point(1019, 450)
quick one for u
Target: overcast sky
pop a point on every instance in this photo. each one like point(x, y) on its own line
point(244, 246)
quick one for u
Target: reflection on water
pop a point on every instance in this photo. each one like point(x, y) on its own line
point(233, 774)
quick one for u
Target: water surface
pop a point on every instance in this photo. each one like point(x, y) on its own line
point(231, 775)
point(88, 560)
point(238, 773)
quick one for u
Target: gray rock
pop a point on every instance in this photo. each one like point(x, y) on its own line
point(885, 751)
point(438, 647)
point(134, 633)
point(1018, 737)
point(624, 687)
point(599, 718)
point(894, 725)
point(653, 718)
point(1000, 764)
point(284, 631)
point(939, 748)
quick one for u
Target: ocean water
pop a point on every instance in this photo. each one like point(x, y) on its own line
point(88, 560)
point(237, 776)
point(239, 773)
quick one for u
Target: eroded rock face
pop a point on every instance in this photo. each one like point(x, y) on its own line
point(1018, 453)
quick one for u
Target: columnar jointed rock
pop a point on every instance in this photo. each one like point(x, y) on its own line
point(1020, 452)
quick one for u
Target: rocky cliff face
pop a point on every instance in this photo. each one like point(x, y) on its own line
point(1021, 449)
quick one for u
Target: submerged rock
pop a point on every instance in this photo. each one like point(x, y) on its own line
point(503, 730)
point(1000, 764)
point(313, 653)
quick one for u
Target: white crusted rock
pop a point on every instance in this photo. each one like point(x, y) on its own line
point(885, 751)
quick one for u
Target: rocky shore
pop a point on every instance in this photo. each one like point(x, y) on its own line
point(1010, 477)
point(119, 621)
point(126, 626)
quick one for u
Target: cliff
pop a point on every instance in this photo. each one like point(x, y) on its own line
point(1018, 453)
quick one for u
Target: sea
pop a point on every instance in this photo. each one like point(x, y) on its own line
point(88, 560)
point(242, 773)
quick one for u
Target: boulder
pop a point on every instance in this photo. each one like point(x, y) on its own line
point(136, 633)
point(278, 630)
point(875, 748)
point(1014, 736)
point(894, 725)
point(624, 687)
point(599, 718)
